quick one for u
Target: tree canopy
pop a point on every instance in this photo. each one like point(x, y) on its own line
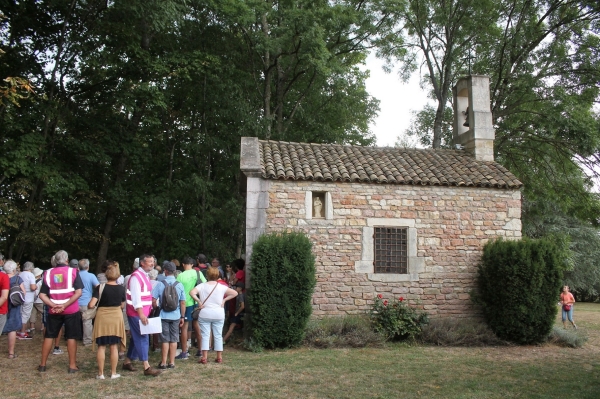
point(131, 143)
point(543, 60)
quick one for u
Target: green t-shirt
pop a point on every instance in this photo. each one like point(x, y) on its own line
point(189, 280)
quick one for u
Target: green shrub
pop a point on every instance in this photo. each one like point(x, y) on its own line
point(459, 332)
point(568, 338)
point(282, 279)
point(352, 331)
point(519, 283)
point(395, 319)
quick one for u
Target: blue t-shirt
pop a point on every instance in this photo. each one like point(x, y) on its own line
point(157, 294)
point(89, 282)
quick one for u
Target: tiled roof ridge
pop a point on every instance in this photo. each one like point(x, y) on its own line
point(283, 160)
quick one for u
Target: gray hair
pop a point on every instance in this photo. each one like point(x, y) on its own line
point(28, 266)
point(153, 274)
point(53, 261)
point(136, 263)
point(10, 266)
point(84, 264)
point(61, 257)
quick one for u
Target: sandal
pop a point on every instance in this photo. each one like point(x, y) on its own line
point(12, 356)
point(203, 361)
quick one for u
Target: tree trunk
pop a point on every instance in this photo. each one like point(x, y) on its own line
point(166, 214)
point(109, 221)
point(268, 72)
point(280, 95)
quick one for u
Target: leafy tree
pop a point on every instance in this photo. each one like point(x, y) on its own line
point(134, 144)
point(543, 60)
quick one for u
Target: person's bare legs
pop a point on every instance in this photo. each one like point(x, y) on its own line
point(184, 336)
point(100, 356)
point(196, 327)
point(57, 339)
point(72, 349)
point(229, 332)
point(172, 350)
point(164, 351)
point(46, 348)
point(12, 338)
point(114, 358)
point(220, 356)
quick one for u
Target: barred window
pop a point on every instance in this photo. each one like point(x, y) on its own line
point(391, 250)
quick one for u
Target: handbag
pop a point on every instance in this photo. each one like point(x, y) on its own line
point(91, 313)
point(196, 312)
point(566, 308)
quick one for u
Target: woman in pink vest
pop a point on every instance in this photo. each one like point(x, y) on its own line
point(60, 291)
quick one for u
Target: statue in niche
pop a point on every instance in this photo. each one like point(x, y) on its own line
point(317, 208)
point(466, 114)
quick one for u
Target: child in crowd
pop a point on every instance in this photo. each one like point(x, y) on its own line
point(236, 319)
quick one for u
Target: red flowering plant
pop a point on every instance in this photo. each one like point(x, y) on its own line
point(395, 319)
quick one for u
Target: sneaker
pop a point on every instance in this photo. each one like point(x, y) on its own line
point(115, 376)
point(31, 330)
point(182, 356)
point(171, 366)
point(100, 377)
point(57, 351)
point(161, 366)
point(21, 335)
point(199, 353)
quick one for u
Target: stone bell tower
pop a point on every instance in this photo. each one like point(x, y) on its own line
point(473, 128)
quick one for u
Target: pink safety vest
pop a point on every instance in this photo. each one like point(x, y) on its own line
point(146, 293)
point(60, 282)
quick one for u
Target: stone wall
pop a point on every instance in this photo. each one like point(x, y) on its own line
point(450, 225)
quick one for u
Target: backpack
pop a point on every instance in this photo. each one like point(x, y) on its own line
point(170, 298)
point(16, 295)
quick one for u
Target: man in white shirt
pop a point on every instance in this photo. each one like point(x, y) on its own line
point(139, 303)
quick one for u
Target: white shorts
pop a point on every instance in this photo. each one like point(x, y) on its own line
point(26, 311)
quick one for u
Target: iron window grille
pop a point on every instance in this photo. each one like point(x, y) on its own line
point(391, 250)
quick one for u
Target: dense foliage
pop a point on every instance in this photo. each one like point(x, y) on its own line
point(544, 66)
point(131, 142)
point(283, 279)
point(518, 286)
point(395, 319)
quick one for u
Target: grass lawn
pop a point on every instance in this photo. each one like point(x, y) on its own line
point(395, 371)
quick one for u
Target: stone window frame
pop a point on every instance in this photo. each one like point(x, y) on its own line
point(308, 205)
point(416, 264)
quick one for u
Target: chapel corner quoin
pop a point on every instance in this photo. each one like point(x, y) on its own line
point(390, 221)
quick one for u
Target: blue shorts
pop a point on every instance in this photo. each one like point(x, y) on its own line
point(189, 310)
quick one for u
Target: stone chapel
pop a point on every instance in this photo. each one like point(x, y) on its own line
point(390, 221)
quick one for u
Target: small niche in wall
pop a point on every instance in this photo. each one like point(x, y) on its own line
point(318, 205)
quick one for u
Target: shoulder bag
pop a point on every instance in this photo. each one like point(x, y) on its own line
point(196, 311)
point(91, 313)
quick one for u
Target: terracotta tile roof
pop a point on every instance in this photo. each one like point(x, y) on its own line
point(344, 163)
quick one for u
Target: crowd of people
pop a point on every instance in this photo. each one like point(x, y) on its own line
point(102, 311)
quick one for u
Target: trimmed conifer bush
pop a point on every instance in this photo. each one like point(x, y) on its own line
point(519, 283)
point(282, 283)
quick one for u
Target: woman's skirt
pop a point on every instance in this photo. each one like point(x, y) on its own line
point(109, 327)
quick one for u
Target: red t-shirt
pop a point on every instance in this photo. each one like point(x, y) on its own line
point(241, 276)
point(4, 285)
